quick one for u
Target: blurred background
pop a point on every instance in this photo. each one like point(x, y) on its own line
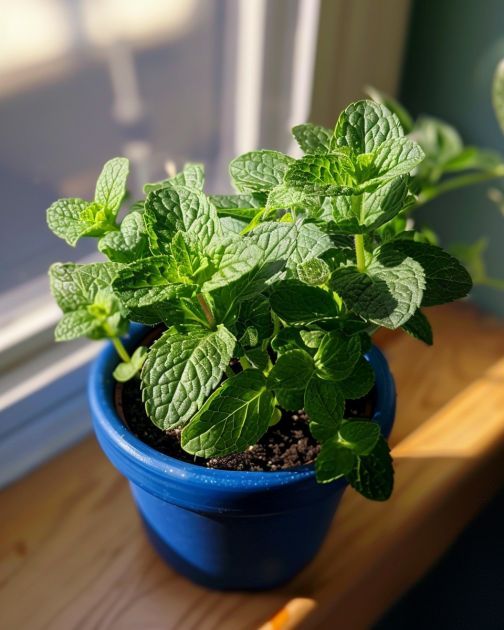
point(82, 81)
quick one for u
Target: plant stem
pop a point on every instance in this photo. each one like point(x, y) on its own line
point(121, 350)
point(245, 363)
point(359, 252)
point(458, 182)
point(206, 310)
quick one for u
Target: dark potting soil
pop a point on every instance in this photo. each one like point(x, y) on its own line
point(285, 445)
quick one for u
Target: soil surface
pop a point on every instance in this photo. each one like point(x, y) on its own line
point(285, 445)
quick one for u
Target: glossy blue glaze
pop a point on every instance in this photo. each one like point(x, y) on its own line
point(223, 529)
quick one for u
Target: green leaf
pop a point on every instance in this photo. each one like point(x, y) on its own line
point(232, 259)
point(150, 289)
point(74, 286)
point(258, 357)
point(75, 324)
point(418, 326)
point(295, 302)
point(173, 209)
point(191, 176)
point(313, 138)
point(325, 405)
point(290, 399)
point(64, 218)
point(313, 271)
point(440, 142)
point(292, 369)
point(330, 174)
point(376, 208)
point(111, 185)
point(360, 436)
point(183, 367)
point(130, 243)
point(498, 93)
point(255, 314)
point(391, 159)
point(373, 474)
point(388, 293)
point(359, 382)
point(337, 356)
point(242, 206)
point(276, 240)
point(311, 242)
point(259, 170)
point(446, 279)
point(284, 196)
point(126, 371)
point(392, 105)
point(233, 418)
point(365, 125)
point(287, 339)
point(312, 338)
point(333, 462)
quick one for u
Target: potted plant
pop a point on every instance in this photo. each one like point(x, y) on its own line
point(248, 393)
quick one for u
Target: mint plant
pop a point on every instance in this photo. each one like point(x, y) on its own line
point(269, 296)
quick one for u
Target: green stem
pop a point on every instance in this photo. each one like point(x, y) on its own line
point(207, 311)
point(359, 252)
point(458, 182)
point(121, 350)
point(245, 363)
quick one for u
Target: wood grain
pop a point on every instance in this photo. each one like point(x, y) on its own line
point(72, 555)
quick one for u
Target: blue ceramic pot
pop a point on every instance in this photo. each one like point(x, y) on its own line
point(223, 529)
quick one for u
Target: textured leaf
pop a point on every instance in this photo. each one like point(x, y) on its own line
point(360, 436)
point(234, 417)
point(64, 219)
point(284, 196)
point(292, 369)
point(239, 206)
point(418, 326)
point(181, 370)
point(290, 399)
point(330, 174)
point(74, 286)
point(373, 474)
point(313, 138)
point(130, 243)
point(359, 382)
point(313, 271)
point(337, 356)
point(173, 209)
point(255, 313)
point(259, 170)
point(111, 185)
point(325, 405)
point(388, 293)
point(333, 462)
point(276, 240)
point(75, 324)
point(446, 279)
point(287, 339)
point(191, 176)
point(150, 290)
point(232, 259)
point(376, 208)
point(365, 125)
point(311, 242)
point(391, 159)
point(295, 302)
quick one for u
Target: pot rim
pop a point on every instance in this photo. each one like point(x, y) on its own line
point(161, 466)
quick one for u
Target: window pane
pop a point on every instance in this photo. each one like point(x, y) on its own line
point(81, 82)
